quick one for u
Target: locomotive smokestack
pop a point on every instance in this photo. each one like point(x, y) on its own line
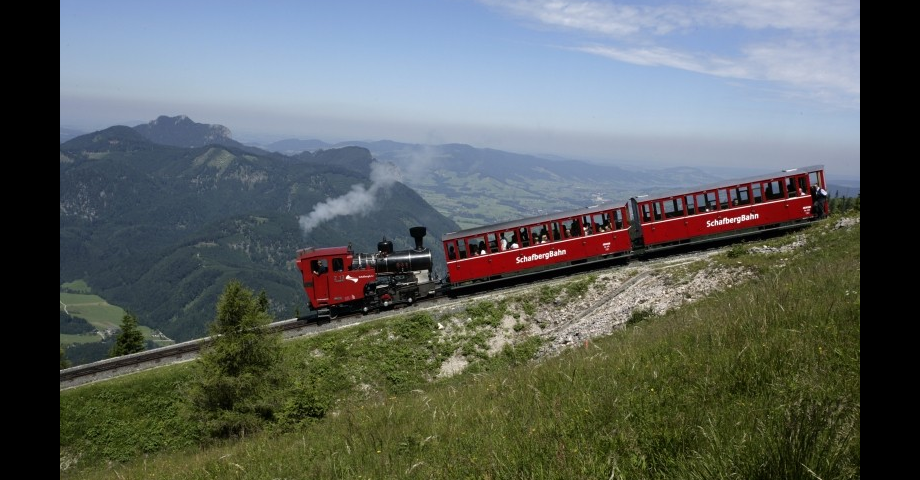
point(385, 246)
point(418, 233)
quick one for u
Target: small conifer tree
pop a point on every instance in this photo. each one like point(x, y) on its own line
point(237, 372)
point(130, 340)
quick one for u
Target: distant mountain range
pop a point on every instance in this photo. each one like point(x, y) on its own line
point(476, 186)
point(500, 185)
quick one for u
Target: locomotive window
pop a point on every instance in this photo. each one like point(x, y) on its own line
point(338, 265)
point(318, 266)
point(757, 196)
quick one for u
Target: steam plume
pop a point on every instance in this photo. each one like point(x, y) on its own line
point(360, 199)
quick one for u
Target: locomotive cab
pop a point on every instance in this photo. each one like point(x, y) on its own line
point(332, 277)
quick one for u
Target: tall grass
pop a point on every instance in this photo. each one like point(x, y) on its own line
point(758, 382)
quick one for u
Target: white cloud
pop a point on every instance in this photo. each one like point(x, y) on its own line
point(809, 48)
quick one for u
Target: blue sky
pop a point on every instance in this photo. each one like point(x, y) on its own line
point(743, 83)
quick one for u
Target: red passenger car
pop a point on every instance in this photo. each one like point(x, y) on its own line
point(535, 244)
point(727, 209)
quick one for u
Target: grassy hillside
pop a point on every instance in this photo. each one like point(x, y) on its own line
point(758, 381)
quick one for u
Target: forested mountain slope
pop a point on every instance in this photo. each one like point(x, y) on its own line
point(160, 229)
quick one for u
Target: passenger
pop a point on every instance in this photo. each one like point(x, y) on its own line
point(544, 238)
point(482, 247)
point(818, 201)
point(525, 238)
point(319, 267)
point(451, 254)
point(514, 242)
point(504, 243)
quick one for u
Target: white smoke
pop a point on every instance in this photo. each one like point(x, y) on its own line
point(360, 199)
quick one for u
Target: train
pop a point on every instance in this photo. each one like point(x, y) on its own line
point(337, 280)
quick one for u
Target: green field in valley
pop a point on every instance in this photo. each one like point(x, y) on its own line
point(77, 301)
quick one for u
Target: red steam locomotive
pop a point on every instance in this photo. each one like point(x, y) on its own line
point(337, 279)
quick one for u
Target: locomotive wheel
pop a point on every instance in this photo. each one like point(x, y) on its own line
point(333, 314)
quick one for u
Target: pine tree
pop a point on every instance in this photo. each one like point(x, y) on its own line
point(238, 371)
point(130, 340)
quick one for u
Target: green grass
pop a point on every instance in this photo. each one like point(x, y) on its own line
point(94, 309)
point(69, 339)
point(760, 381)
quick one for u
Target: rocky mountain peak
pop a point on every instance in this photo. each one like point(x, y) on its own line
point(181, 131)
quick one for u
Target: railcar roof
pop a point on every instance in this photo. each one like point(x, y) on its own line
point(311, 252)
point(730, 183)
